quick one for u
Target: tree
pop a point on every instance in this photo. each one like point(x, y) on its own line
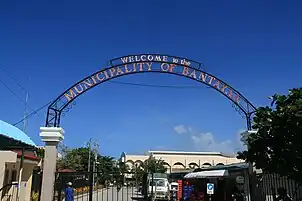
point(40, 152)
point(152, 165)
point(138, 172)
point(276, 146)
point(122, 167)
point(106, 169)
point(78, 159)
point(74, 159)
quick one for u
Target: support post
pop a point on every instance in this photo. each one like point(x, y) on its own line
point(90, 186)
point(251, 174)
point(20, 173)
point(52, 136)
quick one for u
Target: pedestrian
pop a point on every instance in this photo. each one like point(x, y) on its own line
point(237, 194)
point(282, 195)
point(69, 192)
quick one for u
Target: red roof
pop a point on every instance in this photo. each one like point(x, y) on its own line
point(27, 155)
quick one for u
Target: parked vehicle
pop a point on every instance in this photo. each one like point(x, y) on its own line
point(158, 186)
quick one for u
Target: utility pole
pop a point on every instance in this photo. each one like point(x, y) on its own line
point(96, 147)
point(89, 156)
point(25, 111)
point(25, 114)
point(23, 150)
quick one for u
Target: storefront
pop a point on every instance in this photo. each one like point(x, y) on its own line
point(228, 180)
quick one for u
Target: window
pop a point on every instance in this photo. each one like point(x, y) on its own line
point(157, 182)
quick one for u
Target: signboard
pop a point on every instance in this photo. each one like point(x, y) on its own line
point(240, 180)
point(152, 63)
point(210, 188)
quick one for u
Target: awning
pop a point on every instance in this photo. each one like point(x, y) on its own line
point(206, 174)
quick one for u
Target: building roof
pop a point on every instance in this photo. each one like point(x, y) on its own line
point(233, 166)
point(190, 153)
point(28, 156)
point(15, 133)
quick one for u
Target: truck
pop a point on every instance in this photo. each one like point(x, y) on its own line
point(158, 186)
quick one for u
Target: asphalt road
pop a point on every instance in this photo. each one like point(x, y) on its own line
point(111, 194)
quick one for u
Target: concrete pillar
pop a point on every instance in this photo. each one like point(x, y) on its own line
point(51, 136)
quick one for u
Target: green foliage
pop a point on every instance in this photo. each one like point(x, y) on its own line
point(108, 169)
point(276, 147)
point(138, 172)
point(122, 167)
point(77, 159)
point(153, 165)
point(74, 159)
point(40, 153)
point(35, 196)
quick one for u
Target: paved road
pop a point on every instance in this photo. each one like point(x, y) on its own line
point(111, 194)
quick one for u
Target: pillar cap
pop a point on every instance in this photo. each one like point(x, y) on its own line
point(51, 134)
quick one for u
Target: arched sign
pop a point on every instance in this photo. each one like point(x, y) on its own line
point(147, 63)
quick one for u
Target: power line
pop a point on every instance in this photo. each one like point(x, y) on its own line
point(18, 97)
point(14, 79)
point(21, 87)
point(157, 86)
point(123, 83)
point(32, 113)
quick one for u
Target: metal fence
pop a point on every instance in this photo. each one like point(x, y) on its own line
point(98, 186)
point(36, 185)
point(267, 183)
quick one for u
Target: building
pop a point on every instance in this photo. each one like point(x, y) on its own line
point(17, 162)
point(176, 161)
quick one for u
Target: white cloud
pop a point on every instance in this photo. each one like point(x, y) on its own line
point(180, 129)
point(207, 142)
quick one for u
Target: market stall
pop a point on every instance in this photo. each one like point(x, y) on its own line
point(226, 180)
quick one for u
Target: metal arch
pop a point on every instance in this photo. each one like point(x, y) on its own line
point(60, 104)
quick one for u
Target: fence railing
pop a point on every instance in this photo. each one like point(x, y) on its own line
point(267, 183)
point(132, 186)
point(36, 185)
point(99, 186)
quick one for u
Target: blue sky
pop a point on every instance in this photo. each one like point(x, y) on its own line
point(47, 46)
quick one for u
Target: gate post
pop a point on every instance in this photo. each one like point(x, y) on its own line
point(91, 185)
point(51, 136)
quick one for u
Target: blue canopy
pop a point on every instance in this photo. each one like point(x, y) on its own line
point(15, 133)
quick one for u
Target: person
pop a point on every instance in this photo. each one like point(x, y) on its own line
point(282, 195)
point(236, 194)
point(69, 192)
point(118, 187)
